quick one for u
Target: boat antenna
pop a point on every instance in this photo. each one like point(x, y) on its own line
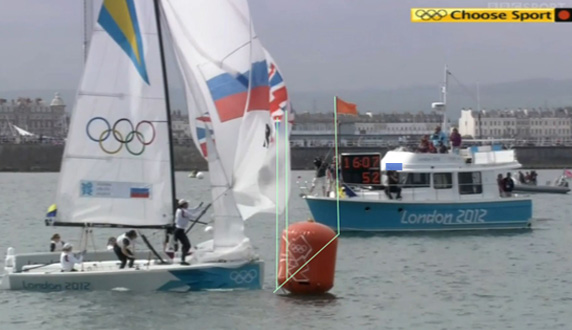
point(167, 103)
point(445, 127)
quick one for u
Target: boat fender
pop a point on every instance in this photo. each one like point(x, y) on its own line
point(311, 256)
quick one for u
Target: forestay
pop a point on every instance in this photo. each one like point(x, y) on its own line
point(116, 167)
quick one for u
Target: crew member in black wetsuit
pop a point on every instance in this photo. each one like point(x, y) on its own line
point(124, 248)
point(182, 218)
point(56, 244)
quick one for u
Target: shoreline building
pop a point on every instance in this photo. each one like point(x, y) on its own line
point(34, 116)
point(530, 124)
point(317, 129)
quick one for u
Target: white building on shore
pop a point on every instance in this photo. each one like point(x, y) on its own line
point(35, 116)
point(402, 124)
point(517, 124)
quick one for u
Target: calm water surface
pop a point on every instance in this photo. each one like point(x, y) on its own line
point(513, 280)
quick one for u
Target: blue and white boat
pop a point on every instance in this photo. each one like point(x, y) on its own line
point(117, 168)
point(440, 192)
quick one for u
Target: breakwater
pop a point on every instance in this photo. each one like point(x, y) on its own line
point(47, 158)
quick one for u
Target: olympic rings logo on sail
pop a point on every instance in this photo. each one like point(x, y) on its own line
point(112, 131)
point(431, 14)
point(243, 276)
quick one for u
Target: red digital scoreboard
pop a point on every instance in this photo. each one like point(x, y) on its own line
point(363, 168)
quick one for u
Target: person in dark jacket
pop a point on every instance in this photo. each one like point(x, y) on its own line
point(320, 178)
point(508, 185)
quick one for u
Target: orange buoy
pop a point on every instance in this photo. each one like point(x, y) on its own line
point(304, 241)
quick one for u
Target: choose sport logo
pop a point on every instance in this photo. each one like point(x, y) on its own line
point(491, 15)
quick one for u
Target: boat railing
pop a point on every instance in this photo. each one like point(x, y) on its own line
point(468, 191)
point(415, 192)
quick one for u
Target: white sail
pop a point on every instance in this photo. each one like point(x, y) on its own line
point(202, 50)
point(262, 170)
point(116, 167)
point(225, 72)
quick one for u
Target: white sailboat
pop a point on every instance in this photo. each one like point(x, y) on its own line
point(117, 169)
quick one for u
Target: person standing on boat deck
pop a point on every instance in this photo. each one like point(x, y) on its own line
point(521, 177)
point(182, 217)
point(424, 144)
point(320, 177)
point(56, 244)
point(500, 185)
point(392, 185)
point(455, 141)
point(508, 185)
point(68, 259)
point(124, 248)
point(439, 136)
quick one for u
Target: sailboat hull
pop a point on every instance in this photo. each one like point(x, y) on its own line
point(145, 276)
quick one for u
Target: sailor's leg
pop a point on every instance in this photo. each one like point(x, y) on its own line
point(186, 244)
point(120, 256)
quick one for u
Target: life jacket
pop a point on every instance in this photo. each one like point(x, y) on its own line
point(59, 245)
point(120, 239)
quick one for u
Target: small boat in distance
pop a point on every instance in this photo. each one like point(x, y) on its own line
point(558, 186)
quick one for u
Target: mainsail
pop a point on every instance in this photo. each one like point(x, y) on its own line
point(226, 76)
point(116, 167)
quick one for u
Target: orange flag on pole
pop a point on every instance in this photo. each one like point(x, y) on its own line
point(345, 108)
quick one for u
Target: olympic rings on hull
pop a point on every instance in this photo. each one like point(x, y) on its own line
point(113, 131)
point(243, 276)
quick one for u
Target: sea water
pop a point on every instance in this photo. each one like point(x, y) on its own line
point(504, 280)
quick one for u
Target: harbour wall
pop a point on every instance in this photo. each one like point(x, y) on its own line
point(47, 158)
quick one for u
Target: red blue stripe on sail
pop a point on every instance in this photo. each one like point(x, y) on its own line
point(201, 126)
point(230, 93)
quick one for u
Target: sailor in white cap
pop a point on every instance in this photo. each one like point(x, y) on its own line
point(68, 259)
point(182, 217)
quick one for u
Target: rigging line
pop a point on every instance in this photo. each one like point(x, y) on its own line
point(464, 87)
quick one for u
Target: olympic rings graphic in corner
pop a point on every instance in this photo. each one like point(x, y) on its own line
point(243, 276)
point(129, 137)
point(431, 14)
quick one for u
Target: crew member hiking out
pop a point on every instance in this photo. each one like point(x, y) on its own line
point(124, 248)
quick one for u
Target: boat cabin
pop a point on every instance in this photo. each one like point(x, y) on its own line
point(471, 174)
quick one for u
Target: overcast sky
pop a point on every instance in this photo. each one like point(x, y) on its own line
point(320, 45)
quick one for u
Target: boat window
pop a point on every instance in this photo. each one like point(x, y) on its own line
point(470, 183)
point(415, 180)
point(442, 180)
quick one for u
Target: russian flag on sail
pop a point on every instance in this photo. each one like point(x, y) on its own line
point(230, 93)
point(201, 126)
point(139, 193)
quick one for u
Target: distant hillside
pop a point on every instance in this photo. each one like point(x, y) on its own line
point(519, 94)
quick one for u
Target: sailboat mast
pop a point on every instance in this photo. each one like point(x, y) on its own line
point(444, 99)
point(167, 102)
